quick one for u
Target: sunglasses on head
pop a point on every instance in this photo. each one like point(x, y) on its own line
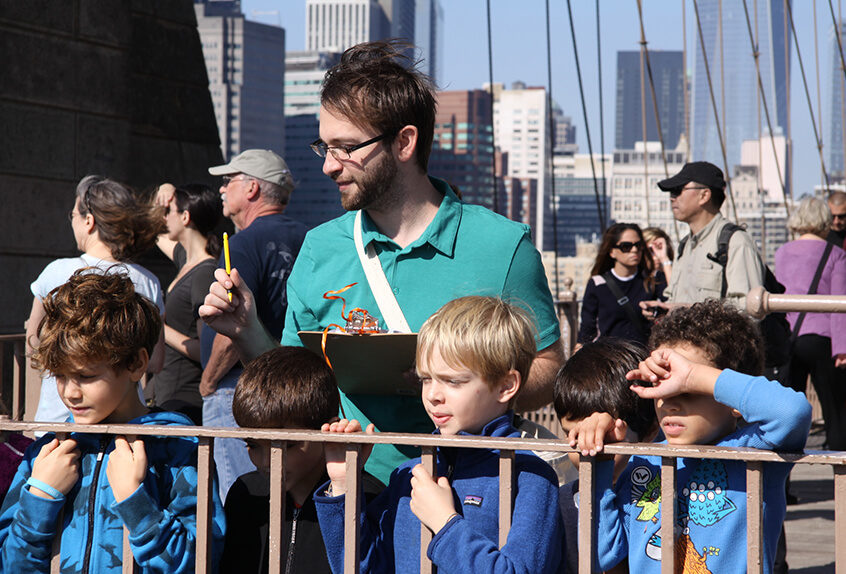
point(626, 246)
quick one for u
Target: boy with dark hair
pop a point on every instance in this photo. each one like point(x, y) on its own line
point(594, 380)
point(287, 387)
point(96, 338)
point(699, 398)
point(472, 356)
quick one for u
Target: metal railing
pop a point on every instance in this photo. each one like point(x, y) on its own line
point(753, 458)
point(758, 303)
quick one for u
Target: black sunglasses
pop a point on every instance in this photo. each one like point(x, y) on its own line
point(626, 246)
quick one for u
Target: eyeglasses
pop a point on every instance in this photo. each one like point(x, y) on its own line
point(626, 246)
point(838, 215)
point(227, 179)
point(341, 152)
point(677, 192)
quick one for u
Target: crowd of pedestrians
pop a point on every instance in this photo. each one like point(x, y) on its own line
point(665, 353)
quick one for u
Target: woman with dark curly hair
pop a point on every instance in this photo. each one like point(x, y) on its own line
point(111, 226)
point(622, 277)
point(192, 214)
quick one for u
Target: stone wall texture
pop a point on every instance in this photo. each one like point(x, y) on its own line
point(117, 88)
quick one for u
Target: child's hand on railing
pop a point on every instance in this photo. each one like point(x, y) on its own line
point(590, 435)
point(431, 501)
point(57, 465)
point(127, 467)
point(335, 453)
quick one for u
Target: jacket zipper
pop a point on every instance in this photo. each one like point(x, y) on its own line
point(92, 496)
point(290, 560)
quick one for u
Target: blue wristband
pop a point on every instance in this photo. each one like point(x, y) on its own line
point(45, 488)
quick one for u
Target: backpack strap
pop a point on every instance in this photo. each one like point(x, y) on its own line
point(721, 256)
point(682, 244)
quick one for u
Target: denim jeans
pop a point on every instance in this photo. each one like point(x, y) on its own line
point(230, 454)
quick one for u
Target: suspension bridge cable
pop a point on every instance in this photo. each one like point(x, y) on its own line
point(493, 126)
point(808, 96)
point(655, 103)
point(643, 130)
point(601, 105)
point(756, 54)
point(551, 154)
point(714, 106)
point(584, 113)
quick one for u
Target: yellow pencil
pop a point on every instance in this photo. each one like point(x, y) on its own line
point(226, 260)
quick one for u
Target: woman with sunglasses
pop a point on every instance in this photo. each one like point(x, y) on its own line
point(622, 277)
point(111, 226)
point(192, 213)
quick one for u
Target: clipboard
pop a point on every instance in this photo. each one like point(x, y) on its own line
point(368, 364)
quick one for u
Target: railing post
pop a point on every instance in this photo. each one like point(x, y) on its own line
point(205, 483)
point(352, 509)
point(506, 494)
point(754, 531)
point(587, 488)
point(278, 454)
point(840, 519)
point(568, 310)
point(668, 515)
point(427, 459)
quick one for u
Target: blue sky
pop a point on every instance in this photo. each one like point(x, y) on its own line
point(519, 53)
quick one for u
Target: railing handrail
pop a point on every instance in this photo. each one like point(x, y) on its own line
point(760, 302)
point(429, 440)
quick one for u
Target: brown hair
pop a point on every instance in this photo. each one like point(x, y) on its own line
point(127, 224)
point(652, 233)
point(593, 380)
point(484, 334)
point(376, 85)
point(95, 317)
point(286, 387)
point(604, 262)
point(729, 338)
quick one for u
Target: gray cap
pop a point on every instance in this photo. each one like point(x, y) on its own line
point(258, 163)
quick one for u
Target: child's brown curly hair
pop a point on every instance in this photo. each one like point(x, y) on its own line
point(95, 317)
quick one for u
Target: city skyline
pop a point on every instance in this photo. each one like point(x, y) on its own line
point(519, 54)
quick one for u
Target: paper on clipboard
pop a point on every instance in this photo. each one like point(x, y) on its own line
point(368, 364)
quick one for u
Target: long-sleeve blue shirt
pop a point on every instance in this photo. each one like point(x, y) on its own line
point(711, 500)
point(161, 515)
point(390, 532)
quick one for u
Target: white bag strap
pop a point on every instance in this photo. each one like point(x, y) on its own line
point(379, 286)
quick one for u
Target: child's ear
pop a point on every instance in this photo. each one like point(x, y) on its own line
point(139, 366)
point(508, 386)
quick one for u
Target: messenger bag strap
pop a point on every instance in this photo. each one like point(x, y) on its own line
point(389, 307)
point(623, 301)
point(812, 290)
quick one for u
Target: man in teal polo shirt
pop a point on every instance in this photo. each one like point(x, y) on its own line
point(376, 129)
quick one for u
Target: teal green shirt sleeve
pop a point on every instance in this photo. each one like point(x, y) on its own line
point(526, 286)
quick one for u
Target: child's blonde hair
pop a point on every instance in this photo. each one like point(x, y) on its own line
point(484, 334)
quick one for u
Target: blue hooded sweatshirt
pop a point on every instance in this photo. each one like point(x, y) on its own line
point(160, 515)
point(390, 532)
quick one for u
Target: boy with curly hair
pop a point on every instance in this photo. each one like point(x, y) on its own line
point(96, 338)
point(703, 377)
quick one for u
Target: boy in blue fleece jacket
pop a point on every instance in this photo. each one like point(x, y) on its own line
point(96, 337)
point(472, 356)
point(699, 398)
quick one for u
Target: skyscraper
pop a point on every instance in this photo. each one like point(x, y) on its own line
point(462, 150)
point(335, 25)
point(315, 199)
point(741, 108)
point(834, 127)
point(668, 76)
point(245, 62)
point(428, 36)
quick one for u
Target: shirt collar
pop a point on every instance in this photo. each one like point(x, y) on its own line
point(712, 225)
point(441, 233)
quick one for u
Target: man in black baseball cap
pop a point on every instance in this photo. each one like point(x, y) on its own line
point(696, 194)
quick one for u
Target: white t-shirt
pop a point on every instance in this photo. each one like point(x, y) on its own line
point(50, 406)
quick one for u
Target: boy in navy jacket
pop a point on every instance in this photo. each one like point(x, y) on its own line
point(472, 357)
point(96, 338)
point(700, 396)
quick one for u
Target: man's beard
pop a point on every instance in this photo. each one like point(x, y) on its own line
point(373, 187)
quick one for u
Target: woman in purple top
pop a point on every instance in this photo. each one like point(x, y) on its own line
point(820, 349)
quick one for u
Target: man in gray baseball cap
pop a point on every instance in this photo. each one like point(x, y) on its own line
point(255, 191)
